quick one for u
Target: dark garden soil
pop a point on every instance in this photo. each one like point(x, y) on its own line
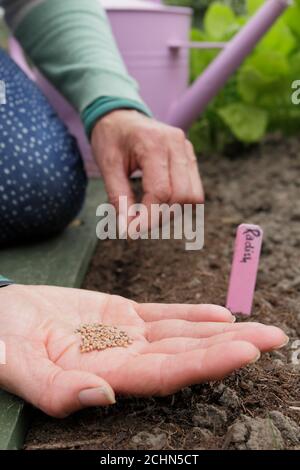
point(255, 408)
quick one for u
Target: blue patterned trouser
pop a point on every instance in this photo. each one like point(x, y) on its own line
point(42, 180)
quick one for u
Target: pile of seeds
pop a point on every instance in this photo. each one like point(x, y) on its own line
point(97, 336)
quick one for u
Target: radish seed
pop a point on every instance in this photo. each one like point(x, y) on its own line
point(97, 337)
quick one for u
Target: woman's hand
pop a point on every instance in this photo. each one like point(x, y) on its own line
point(124, 141)
point(173, 346)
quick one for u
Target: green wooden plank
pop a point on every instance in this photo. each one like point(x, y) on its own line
point(61, 261)
point(14, 419)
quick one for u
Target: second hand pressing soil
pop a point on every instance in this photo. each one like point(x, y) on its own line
point(255, 408)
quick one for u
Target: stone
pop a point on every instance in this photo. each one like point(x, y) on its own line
point(202, 433)
point(219, 389)
point(210, 417)
point(229, 398)
point(247, 385)
point(278, 363)
point(290, 430)
point(253, 434)
point(195, 282)
point(278, 355)
point(295, 215)
point(154, 440)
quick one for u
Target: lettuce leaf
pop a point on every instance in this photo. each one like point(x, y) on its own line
point(220, 22)
point(247, 123)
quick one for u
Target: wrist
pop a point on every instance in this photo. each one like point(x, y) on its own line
point(104, 106)
point(114, 125)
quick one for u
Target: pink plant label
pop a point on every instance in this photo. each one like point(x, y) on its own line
point(244, 268)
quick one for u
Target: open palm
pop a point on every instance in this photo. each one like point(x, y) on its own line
point(173, 346)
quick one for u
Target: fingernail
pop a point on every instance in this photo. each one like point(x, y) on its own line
point(97, 397)
point(255, 359)
point(233, 317)
point(284, 343)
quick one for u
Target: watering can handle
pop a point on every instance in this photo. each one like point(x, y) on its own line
point(192, 103)
point(175, 46)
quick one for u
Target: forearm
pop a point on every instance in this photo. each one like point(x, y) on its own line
point(70, 41)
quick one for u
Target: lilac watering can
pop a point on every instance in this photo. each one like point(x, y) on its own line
point(154, 42)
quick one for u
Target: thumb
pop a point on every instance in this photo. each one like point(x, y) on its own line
point(72, 390)
point(28, 373)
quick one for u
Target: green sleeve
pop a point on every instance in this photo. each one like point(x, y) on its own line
point(104, 105)
point(4, 281)
point(71, 42)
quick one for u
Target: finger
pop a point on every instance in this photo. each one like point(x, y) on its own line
point(173, 346)
point(117, 182)
point(156, 180)
point(156, 186)
point(162, 374)
point(265, 340)
point(29, 374)
point(179, 328)
point(179, 170)
point(196, 184)
point(198, 313)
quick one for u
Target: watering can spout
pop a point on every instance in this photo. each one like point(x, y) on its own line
point(194, 101)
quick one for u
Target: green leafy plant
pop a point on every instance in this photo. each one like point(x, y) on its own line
point(3, 33)
point(200, 6)
point(258, 98)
